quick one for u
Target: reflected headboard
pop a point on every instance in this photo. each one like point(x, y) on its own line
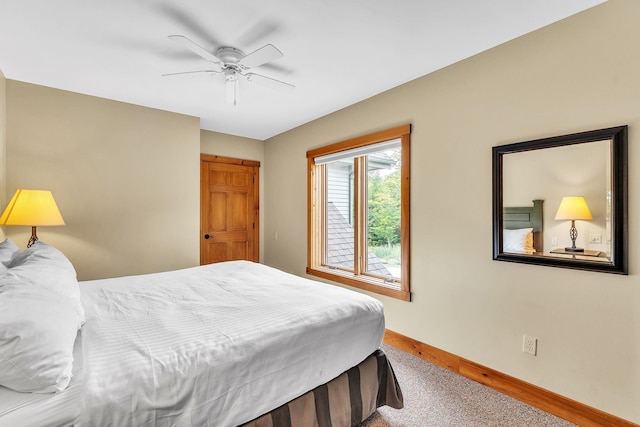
point(526, 217)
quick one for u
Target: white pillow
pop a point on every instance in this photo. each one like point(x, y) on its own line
point(7, 250)
point(518, 241)
point(44, 265)
point(40, 314)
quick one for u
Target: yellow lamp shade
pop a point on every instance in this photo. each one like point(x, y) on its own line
point(32, 208)
point(573, 208)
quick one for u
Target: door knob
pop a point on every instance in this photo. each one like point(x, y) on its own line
point(206, 236)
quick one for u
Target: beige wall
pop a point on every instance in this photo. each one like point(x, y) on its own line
point(221, 144)
point(3, 144)
point(576, 75)
point(125, 179)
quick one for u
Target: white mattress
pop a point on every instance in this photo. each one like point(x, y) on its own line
point(216, 345)
point(44, 410)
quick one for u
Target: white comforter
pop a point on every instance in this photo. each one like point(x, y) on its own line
point(216, 345)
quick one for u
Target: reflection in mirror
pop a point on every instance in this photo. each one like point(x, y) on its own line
point(562, 201)
point(523, 229)
point(554, 173)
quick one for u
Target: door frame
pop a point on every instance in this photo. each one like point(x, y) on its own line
point(211, 158)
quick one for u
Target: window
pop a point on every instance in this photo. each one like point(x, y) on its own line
point(358, 213)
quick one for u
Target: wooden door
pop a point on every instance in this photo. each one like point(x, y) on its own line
point(229, 209)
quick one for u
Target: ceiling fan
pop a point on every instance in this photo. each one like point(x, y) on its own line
point(233, 63)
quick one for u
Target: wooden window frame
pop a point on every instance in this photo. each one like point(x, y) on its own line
point(316, 223)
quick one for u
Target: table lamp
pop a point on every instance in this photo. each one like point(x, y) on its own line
point(573, 208)
point(32, 208)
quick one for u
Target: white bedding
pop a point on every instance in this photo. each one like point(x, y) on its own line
point(216, 345)
point(44, 410)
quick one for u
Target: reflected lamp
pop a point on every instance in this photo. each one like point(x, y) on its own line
point(32, 208)
point(573, 208)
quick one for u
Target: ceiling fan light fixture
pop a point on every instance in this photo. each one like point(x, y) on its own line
point(231, 83)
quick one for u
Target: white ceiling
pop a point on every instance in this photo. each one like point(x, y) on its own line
point(336, 52)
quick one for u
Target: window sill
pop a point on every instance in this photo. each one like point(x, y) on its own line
point(366, 283)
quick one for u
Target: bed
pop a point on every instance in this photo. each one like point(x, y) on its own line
point(523, 229)
point(235, 343)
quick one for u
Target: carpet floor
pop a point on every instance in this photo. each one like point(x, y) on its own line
point(436, 397)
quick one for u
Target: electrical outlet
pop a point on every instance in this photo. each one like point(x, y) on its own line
point(595, 238)
point(529, 345)
point(554, 241)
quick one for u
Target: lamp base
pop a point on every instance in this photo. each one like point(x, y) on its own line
point(33, 238)
point(573, 249)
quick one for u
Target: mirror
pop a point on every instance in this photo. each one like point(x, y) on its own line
point(562, 201)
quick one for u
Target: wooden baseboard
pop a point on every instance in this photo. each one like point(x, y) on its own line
point(548, 401)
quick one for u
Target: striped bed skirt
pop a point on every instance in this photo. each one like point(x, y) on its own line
point(346, 400)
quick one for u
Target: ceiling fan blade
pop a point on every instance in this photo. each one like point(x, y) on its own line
point(266, 53)
point(197, 24)
point(195, 48)
point(270, 83)
point(260, 30)
point(191, 72)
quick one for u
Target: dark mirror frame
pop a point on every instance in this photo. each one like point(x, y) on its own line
point(619, 184)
